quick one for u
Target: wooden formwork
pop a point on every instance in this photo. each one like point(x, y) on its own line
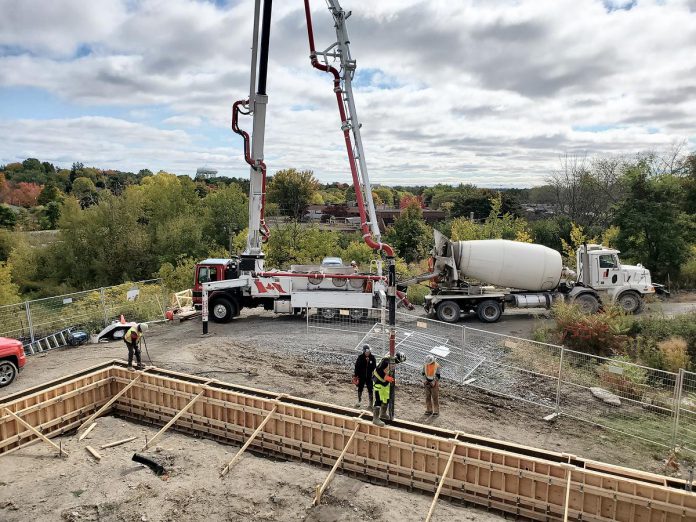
point(527, 482)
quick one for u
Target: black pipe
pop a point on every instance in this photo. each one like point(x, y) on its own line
point(391, 304)
point(265, 38)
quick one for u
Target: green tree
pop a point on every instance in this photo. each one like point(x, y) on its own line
point(498, 225)
point(85, 191)
point(293, 243)
point(49, 193)
point(653, 228)
point(8, 219)
point(386, 195)
point(50, 215)
point(9, 292)
point(226, 213)
point(410, 235)
point(292, 190)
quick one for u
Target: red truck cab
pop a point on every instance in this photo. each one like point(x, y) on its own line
point(210, 270)
point(12, 359)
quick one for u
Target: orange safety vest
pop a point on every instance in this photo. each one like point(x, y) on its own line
point(430, 371)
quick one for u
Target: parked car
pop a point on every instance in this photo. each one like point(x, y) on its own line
point(332, 261)
point(12, 359)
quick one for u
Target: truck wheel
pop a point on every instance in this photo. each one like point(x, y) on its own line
point(8, 372)
point(357, 314)
point(489, 311)
point(222, 310)
point(448, 311)
point(588, 303)
point(630, 302)
point(328, 313)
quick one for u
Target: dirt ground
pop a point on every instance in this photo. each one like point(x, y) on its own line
point(274, 353)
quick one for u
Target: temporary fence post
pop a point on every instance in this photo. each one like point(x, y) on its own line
point(558, 387)
point(102, 298)
point(29, 322)
point(307, 319)
point(678, 386)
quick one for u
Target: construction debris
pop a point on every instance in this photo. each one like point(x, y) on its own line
point(86, 432)
point(93, 452)
point(117, 443)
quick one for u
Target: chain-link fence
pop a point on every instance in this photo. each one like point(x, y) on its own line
point(650, 404)
point(349, 320)
point(45, 323)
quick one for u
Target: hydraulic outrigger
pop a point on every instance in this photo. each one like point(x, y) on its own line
point(252, 259)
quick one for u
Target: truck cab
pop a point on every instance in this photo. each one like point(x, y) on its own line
point(625, 285)
point(209, 270)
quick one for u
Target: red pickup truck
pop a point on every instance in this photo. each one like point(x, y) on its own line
point(12, 359)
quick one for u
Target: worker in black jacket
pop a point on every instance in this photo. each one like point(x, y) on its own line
point(362, 375)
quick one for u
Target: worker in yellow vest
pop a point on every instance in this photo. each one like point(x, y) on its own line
point(132, 338)
point(431, 382)
point(382, 379)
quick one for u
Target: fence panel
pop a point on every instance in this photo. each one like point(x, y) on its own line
point(513, 367)
point(14, 322)
point(641, 401)
point(141, 301)
point(350, 320)
point(686, 421)
point(81, 310)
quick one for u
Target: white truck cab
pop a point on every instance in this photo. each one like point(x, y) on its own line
point(625, 285)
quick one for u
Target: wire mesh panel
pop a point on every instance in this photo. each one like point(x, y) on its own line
point(81, 310)
point(142, 301)
point(686, 421)
point(353, 320)
point(514, 367)
point(619, 395)
point(14, 322)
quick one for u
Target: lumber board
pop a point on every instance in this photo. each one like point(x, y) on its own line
point(525, 482)
point(36, 432)
point(86, 432)
point(93, 452)
point(117, 443)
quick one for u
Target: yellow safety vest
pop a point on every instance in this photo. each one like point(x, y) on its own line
point(133, 330)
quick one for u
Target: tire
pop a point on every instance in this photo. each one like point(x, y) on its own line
point(222, 310)
point(588, 303)
point(449, 311)
point(489, 311)
point(630, 302)
point(357, 314)
point(8, 372)
point(328, 314)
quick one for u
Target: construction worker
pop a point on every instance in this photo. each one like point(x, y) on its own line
point(132, 339)
point(362, 375)
point(355, 266)
point(383, 379)
point(431, 382)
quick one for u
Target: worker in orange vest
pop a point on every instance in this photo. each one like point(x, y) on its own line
point(431, 382)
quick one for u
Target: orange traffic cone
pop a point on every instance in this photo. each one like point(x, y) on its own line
point(123, 320)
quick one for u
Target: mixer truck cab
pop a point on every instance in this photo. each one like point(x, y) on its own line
point(626, 285)
point(486, 276)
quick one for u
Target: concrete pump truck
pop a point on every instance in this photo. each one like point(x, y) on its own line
point(225, 286)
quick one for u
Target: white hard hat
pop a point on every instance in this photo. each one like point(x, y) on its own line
point(143, 327)
point(429, 359)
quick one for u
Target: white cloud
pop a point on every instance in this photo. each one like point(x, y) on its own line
point(489, 92)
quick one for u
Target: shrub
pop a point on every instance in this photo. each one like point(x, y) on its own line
point(623, 378)
point(674, 354)
point(662, 328)
point(416, 294)
point(599, 334)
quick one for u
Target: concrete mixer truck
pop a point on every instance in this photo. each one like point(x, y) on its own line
point(486, 276)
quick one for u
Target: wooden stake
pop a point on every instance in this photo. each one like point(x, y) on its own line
point(108, 404)
point(569, 471)
point(442, 480)
point(117, 443)
point(174, 419)
point(249, 441)
point(86, 432)
point(322, 488)
point(94, 452)
point(36, 432)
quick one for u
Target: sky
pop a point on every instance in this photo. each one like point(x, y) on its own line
point(490, 92)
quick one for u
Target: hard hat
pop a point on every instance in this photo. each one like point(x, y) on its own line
point(366, 348)
point(400, 357)
point(429, 359)
point(353, 263)
point(143, 327)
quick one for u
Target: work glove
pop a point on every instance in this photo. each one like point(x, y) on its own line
point(389, 378)
point(355, 380)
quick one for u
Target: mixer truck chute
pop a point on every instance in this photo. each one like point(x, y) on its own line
point(485, 276)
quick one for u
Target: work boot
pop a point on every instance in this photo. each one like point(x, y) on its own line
point(357, 405)
point(383, 412)
point(375, 417)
